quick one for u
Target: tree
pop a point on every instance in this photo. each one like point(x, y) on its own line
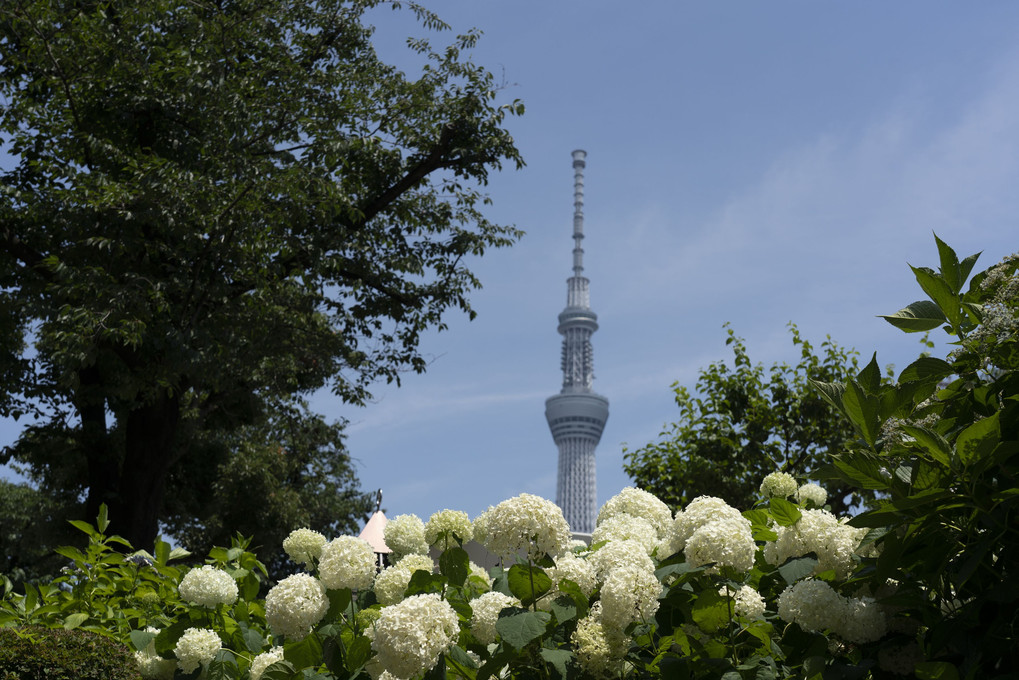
point(745, 422)
point(214, 204)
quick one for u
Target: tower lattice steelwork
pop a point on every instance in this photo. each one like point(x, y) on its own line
point(577, 415)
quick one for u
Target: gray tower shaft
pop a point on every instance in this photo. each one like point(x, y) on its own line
point(576, 416)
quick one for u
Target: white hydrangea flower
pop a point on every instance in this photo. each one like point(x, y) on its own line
point(864, 621)
point(295, 605)
point(264, 660)
point(812, 604)
point(727, 541)
point(347, 562)
point(815, 606)
point(391, 584)
point(208, 586)
point(747, 602)
point(812, 493)
point(576, 569)
point(526, 525)
point(196, 647)
point(616, 554)
point(629, 594)
point(405, 535)
point(151, 666)
point(480, 526)
point(779, 485)
point(481, 573)
point(622, 527)
point(443, 525)
point(411, 635)
point(414, 563)
point(819, 532)
point(699, 512)
point(600, 650)
point(486, 612)
point(304, 546)
point(639, 503)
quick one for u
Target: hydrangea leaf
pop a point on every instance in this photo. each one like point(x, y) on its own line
point(784, 512)
point(527, 583)
point(978, 440)
point(519, 627)
point(797, 568)
point(454, 564)
point(307, 652)
point(920, 316)
point(559, 658)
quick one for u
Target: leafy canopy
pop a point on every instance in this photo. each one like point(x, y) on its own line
point(210, 206)
point(744, 422)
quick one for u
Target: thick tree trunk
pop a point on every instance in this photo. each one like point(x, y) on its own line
point(150, 431)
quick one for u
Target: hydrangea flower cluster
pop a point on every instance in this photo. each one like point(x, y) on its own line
point(196, 647)
point(442, 526)
point(525, 525)
point(486, 610)
point(347, 562)
point(264, 660)
point(637, 503)
point(709, 530)
point(779, 485)
point(151, 666)
point(391, 584)
point(819, 532)
point(416, 563)
point(624, 526)
point(811, 493)
point(208, 586)
point(815, 606)
point(410, 636)
point(304, 546)
point(617, 554)
point(747, 602)
point(295, 605)
point(628, 595)
point(405, 535)
point(600, 649)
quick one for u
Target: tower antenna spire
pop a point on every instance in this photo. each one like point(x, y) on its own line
point(576, 416)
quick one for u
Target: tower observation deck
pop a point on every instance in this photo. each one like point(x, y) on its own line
point(576, 416)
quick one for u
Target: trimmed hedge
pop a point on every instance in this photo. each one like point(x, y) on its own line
point(56, 654)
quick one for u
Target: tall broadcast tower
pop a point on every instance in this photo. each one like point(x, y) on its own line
point(577, 415)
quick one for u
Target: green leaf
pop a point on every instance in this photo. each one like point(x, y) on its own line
point(710, 610)
point(359, 651)
point(339, 601)
point(950, 269)
point(280, 670)
point(103, 519)
point(920, 316)
point(863, 411)
point(454, 564)
point(935, 670)
point(930, 441)
point(528, 583)
point(865, 471)
point(926, 368)
point(978, 440)
point(304, 654)
point(75, 620)
point(563, 608)
point(940, 292)
point(966, 266)
point(870, 377)
point(140, 639)
point(558, 658)
point(518, 627)
point(84, 526)
point(223, 667)
point(797, 568)
point(162, 552)
point(785, 513)
point(830, 392)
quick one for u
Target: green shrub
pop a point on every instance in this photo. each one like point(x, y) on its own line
point(55, 654)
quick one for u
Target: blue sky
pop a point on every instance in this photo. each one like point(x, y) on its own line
point(749, 162)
